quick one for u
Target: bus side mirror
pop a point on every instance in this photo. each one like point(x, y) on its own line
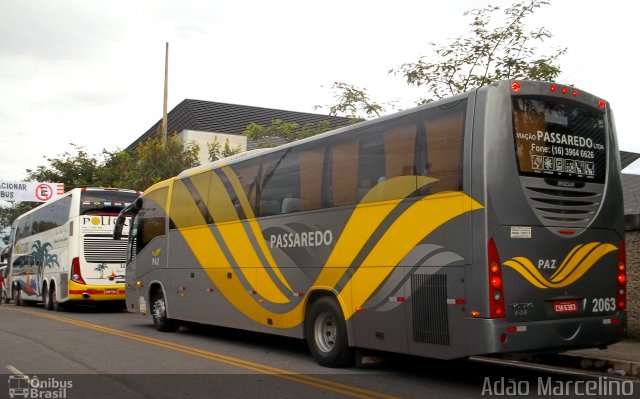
point(117, 230)
point(130, 210)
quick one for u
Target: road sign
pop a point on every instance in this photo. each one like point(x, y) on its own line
point(30, 191)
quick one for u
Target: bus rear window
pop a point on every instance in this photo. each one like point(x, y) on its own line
point(105, 202)
point(559, 140)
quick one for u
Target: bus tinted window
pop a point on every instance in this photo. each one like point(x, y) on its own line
point(443, 133)
point(372, 155)
point(559, 140)
point(105, 202)
point(280, 191)
point(247, 175)
point(151, 218)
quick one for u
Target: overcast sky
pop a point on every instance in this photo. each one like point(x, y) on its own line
point(91, 72)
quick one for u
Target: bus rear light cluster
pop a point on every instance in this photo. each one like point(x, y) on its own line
point(564, 90)
point(621, 278)
point(496, 291)
point(76, 274)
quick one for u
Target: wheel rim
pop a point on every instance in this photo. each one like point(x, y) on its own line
point(325, 332)
point(159, 309)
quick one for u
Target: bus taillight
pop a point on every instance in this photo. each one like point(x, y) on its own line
point(496, 291)
point(621, 278)
point(76, 275)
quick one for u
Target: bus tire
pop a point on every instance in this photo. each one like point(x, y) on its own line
point(326, 332)
point(159, 313)
point(53, 301)
point(18, 301)
point(45, 298)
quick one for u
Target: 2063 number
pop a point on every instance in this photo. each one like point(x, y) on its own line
point(603, 305)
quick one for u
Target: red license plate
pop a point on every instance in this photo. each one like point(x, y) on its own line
point(565, 306)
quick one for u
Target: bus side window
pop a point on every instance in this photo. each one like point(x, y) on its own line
point(151, 218)
point(444, 129)
point(280, 180)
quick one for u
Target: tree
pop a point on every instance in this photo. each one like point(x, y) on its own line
point(491, 51)
point(153, 162)
point(351, 101)
point(216, 153)
point(74, 170)
point(488, 54)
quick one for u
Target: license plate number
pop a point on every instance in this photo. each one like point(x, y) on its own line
point(565, 306)
point(111, 291)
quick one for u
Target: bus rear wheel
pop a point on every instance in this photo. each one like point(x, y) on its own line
point(46, 298)
point(159, 313)
point(326, 332)
point(53, 301)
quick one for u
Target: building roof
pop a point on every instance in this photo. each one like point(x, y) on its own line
point(631, 193)
point(225, 118)
point(627, 158)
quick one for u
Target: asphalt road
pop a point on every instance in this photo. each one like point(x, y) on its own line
point(95, 353)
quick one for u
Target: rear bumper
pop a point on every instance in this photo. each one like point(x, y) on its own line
point(84, 292)
point(550, 335)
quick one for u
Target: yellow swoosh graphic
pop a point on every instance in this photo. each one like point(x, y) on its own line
point(579, 260)
point(418, 221)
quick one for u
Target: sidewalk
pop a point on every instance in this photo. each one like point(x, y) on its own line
point(624, 355)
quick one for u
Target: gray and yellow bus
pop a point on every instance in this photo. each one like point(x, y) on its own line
point(488, 222)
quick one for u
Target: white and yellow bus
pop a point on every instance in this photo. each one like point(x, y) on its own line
point(63, 252)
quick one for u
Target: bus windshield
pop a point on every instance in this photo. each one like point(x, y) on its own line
point(560, 140)
point(105, 202)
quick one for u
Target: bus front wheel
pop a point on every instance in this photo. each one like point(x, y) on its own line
point(326, 332)
point(18, 301)
point(159, 313)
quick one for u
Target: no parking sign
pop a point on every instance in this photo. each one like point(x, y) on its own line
point(30, 191)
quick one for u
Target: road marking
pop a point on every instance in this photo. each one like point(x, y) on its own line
point(315, 382)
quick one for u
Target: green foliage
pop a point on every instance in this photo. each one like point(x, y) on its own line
point(488, 53)
point(281, 131)
point(216, 153)
point(498, 46)
point(77, 169)
point(153, 163)
point(352, 100)
point(148, 164)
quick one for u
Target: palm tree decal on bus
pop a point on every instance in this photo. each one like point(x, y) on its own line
point(44, 259)
point(101, 268)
